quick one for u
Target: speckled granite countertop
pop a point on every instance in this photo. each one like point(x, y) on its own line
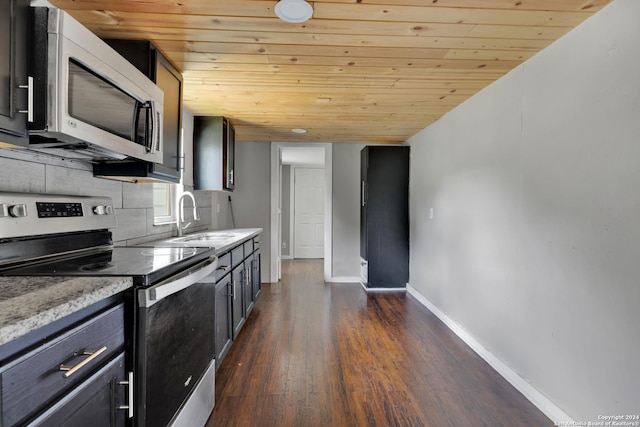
point(30, 302)
point(221, 240)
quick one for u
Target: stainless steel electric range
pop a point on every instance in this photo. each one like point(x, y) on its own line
point(173, 306)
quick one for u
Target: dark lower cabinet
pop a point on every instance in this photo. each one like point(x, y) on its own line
point(98, 402)
point(256, 272)
point(223, 327)
point(70, 376)
point(237, 300)
point(238, 286)
point(249, 296)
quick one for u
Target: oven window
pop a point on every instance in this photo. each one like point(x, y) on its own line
point(98, 102)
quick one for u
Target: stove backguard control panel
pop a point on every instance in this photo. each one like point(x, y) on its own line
point(28, 214)
point(56, 210)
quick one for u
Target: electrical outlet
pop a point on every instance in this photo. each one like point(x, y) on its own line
point(284, 245)
point(430, 213)
point(218, 208)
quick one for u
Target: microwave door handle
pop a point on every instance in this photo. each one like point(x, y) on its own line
point(146, 108)
point(154, 294)
point(151, 121)
point(156, 131)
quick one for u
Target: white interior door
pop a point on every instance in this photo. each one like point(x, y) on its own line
point(308, 212)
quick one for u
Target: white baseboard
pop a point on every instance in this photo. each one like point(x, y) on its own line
point(381, 290)
point(551, 410)
point(345, 279)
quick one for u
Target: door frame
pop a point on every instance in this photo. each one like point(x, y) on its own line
point(276, 207)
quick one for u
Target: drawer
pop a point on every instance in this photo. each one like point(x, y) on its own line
point(224, 266)
point(248, 247)
point(237, 255)
point(96, 402)
point(35, 380)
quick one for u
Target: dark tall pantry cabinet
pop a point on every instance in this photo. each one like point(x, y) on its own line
point(384, 216)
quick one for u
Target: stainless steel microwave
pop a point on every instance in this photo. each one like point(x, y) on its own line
point(89, 102)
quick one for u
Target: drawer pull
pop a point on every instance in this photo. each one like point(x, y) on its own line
point(92, 355)
point(129, 406)
point(223, 267)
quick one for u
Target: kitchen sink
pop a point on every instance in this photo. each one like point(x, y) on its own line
point(205, 237)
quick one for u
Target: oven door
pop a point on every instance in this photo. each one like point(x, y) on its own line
point(175, 342)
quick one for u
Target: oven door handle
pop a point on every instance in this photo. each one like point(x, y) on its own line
point(195, 274)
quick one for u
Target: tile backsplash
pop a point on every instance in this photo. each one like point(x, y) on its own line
point(23, 171)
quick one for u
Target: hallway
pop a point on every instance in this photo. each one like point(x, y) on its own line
point(321, 354)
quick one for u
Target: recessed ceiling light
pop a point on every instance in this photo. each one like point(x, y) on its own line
point(298, 130)
point(294, 11)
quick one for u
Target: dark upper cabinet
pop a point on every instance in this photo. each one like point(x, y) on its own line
point(384, 216)
point(213, 154)
point(146, 57)
point(14, 81)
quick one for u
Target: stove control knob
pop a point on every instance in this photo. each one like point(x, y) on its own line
point(103, 210)
point(18, 211)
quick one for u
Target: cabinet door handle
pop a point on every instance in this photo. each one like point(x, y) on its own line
point(29, 110)
point(70, 370)
point(363, 193)
point(223, 267)
point(129, 406)
point(233, 290)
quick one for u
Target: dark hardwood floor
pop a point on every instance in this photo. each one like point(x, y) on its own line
point(319, 354)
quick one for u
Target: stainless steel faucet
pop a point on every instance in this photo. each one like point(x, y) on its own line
point(180, 216)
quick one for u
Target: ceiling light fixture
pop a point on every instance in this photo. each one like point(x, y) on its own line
point(298, 130)
point(294, 11)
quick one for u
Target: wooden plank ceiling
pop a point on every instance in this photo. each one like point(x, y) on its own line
point(371, 71)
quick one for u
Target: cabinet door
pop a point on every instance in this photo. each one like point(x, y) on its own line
point(228, 154)
point(14, 26)
point(248, 285)
point(385, 215)
point(237, 302)
point(170, 81)
point(96, 402)
point(223, 321)
point(210, 169)
point(364, 165)
point(256, 272)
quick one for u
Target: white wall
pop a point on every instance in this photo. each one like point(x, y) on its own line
point(251, 197)
point(534, 245)
point(346, 211)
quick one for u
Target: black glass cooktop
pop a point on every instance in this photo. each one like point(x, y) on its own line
point(149, 263)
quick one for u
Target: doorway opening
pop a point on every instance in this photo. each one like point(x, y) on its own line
point(301, 186)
